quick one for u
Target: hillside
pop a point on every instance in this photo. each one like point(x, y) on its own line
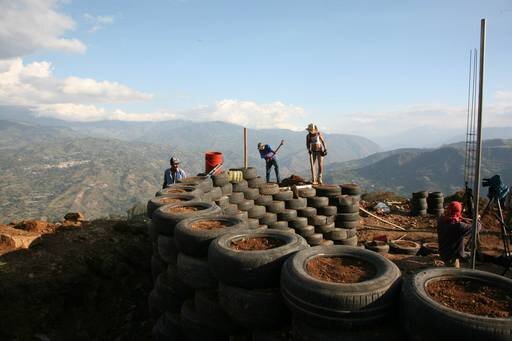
point(50, 170)
point(405, 171)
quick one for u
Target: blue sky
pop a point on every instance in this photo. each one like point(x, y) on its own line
point(367, 67)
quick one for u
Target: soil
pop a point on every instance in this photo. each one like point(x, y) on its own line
point(340, 269)
point(404, 243)
point(376, 243)
point(176, 190)
point(209, 224)
point(182, 209)
point(167, 200)
point(256, 244)
point(35, 226)
point(472, 297)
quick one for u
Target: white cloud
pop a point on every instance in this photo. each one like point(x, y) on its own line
point(30, 25)
point(98, 22)
point(33, 84)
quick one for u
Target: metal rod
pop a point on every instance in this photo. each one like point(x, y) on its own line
point(479, 142)
point(246, 156)
point(466, 159)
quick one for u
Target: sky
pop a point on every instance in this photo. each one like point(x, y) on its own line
point(371, 68)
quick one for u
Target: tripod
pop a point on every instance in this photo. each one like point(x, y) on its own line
point(504, 229)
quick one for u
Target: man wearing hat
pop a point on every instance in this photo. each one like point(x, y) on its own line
point(315, 144)
point(173, 174)
point(268, 154)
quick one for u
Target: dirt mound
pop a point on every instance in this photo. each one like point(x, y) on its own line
point(256, 244)
point(340, 269)
point(39, 226)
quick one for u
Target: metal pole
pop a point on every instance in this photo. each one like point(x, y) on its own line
point(246, 156)
point(479, 142)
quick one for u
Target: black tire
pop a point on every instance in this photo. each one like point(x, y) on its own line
point(194, 329)
point(249, 173)
point(167, 295)
point(435, 202)
point(195, 241)
point(220, 180)
point(318, 202)
point(306, 192)
point(430, 248)
point(337, 234)
point(305, 231)
point(245, 205)
point(211, 313)
point(152, 232)
point(227, 189)
point(287, 215)
point(215, 193)
point(257, 212)
point(326, 242)
point(420, 205)
point(236, 197)
point(230, 210)
point(350, 189)
point(251, 193)
point(268, 218)
point(254, 308)
point(298, 222)
point(317, 220)
point(269, 189)
point(350, 241)
point(420, 194)
point(203, 182)
point(180, 289)
point(276, 207)
point(167, 249)
point(263, 200)
point(315, 239)
point(324, 229)
point(241, 186)
point(344, 217)
point(252, 269)
point(283, 195)
point(328, 190)
point(296, 204)
point(377, 246)
point(335, 305)
point(279, 225)
point(180, 189)
point(256, 182)
point(223, 201)
point(435, 195)
point(328, 210)
point(306, 212)
point(343, 200)
point(168, 327)
point(425, 319)
point(418, 213)
point(165, 219)
point(167, 199)
point(242, 215)
point(157, 266)
point(348, 209)
point(399, 247)
point(194, 272)
point(347, 224)
point(253, 223)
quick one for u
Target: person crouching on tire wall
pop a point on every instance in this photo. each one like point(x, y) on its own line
point(315, 144)
point(173, 174)
point(268, 154)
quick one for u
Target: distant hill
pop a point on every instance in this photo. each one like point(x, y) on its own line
point(405, 171)
point(50, 170)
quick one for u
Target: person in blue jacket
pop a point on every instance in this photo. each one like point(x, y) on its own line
point(268, 154)
point(173, 174)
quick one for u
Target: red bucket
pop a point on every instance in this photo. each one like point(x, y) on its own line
point(212, 159)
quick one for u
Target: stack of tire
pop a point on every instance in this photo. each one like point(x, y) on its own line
point(249, 291)
point(351, 189)
point(419, 203)
point(435, 203)
point(301, 224)
point(200, 315)
point(221, 181)
point(328, 308)
point(346, 220)
point(328, 211)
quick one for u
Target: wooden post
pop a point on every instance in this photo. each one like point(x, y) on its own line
point(246, 156)
point(476, 187)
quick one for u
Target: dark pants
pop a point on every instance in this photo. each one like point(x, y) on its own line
point(270, 163)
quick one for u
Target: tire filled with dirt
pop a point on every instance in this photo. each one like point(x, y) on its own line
point(252, 259)
point(462, 304)
point(168, 199)
point(194, 235)
point(340, 286)
point(166, 217)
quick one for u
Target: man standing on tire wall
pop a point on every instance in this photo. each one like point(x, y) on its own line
point(174, 173)
point(315, 144)
point(268, 154)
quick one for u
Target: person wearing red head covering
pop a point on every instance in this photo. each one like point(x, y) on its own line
point(451, 230)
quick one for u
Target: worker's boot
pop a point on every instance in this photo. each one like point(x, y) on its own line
point(320, 181)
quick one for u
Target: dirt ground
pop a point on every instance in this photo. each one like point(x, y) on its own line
point(78, 283)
